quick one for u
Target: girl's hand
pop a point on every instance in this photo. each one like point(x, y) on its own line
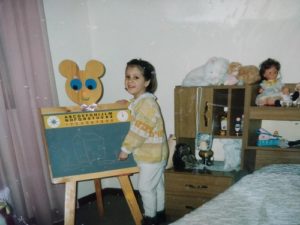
point(122, 156)
point(122, 101)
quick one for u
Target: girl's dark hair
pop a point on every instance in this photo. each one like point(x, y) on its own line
point(148, 72)
point(267, 64)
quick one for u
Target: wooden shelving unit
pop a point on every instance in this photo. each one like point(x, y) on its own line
point(197, 110)
point(254, 156)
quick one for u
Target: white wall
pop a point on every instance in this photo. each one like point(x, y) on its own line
point(175, 35)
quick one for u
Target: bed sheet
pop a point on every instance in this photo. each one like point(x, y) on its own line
point(269, 196)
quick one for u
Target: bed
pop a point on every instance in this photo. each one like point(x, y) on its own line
point(270, 195)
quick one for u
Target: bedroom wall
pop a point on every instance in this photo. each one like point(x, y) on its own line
point(176, 36)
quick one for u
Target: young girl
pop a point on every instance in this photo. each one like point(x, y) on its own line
point(146, 139)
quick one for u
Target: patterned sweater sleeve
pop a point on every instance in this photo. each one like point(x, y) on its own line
point(141, 127)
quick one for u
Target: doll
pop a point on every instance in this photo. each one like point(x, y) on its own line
point(285, 98)
point(271, 86)
point(295, 95)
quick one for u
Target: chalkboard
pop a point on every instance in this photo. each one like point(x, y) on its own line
point(80, 143)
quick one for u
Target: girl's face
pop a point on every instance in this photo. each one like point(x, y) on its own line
point(271, 73)
point(135, 82)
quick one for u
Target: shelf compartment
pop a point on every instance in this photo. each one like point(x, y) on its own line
point(257, 158)
point(253, 91)
point(220, 101)
point(274, 113)
point(197, 109)
point(275, 157)
point(233, 98)
point(275, 149)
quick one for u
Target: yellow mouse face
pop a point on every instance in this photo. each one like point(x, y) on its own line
point(83, 86)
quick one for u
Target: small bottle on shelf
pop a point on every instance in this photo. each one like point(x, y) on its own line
point(238, 126)
point(223, 122)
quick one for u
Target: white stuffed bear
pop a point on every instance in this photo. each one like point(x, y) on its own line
point(212, 73)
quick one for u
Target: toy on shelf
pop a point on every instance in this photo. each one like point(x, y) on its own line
point(204, 148)
point(285, 98)
point(248, 75)
point(289, 99)
point(271, 86)
point(237, 74)
point(183, 157)
point(232, 73)
point(265, 138)
point(213, 72)
point(295, 96)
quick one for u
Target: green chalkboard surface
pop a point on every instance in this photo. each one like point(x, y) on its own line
point(85, 142)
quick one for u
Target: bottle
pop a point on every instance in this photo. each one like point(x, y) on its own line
point(242, 123)
point(223, 122)
point(238, 126)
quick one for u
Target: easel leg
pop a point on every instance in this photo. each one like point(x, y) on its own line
point(130, 198)
point(99, 198)
point(70, 199)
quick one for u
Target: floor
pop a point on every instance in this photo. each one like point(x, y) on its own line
point(116, 211)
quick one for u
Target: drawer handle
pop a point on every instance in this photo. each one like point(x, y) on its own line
point(196, 187)
point(189, 207)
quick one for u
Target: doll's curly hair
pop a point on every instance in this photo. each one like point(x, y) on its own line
point(267, 64)
point(148, 72)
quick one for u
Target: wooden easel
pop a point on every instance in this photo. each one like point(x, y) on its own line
point(63, 117)
point(123, 176)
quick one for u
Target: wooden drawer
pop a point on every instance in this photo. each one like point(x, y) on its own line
point(180, 205)
point(186, 191)
point(187, 184)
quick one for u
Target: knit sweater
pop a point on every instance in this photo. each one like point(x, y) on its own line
point(146, 138)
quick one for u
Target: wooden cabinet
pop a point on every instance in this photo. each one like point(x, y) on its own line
point(197, 110)
point(256, 157)
point(188, 190)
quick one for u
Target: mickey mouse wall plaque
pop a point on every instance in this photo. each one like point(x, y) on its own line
point(83, 87)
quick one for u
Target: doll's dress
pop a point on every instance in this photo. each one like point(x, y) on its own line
point(271, 89)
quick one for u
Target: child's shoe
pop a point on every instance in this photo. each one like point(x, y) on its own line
point(149, 220)
point(161, 216)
